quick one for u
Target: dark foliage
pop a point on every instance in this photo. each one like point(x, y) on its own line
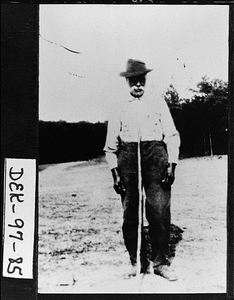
point(65, 142)
point(202, 121)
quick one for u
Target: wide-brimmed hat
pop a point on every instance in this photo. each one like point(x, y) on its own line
point(135, 68)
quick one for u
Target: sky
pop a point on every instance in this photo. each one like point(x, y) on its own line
point(83, 48)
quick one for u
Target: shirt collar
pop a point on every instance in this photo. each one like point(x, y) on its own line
point(135, 99)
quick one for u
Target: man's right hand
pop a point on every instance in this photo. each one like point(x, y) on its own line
point(118, 183)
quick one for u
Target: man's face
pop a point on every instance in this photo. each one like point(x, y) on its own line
point(137, 85)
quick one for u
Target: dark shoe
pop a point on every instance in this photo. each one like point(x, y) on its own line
point(166, 272)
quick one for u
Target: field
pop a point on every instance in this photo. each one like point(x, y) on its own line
point(81, 247)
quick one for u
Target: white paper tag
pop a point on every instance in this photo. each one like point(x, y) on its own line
point(19, 217)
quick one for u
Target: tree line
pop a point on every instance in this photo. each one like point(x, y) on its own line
point(63, 142)
point(202, 122)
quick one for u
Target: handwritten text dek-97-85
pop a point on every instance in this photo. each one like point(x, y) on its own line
point(16, 197)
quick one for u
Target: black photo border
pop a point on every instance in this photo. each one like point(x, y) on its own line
point(19, 130)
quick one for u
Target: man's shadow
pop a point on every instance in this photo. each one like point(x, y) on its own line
point(176, 235)
point(175, 238)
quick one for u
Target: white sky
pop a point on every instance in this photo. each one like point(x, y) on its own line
point(164, 37)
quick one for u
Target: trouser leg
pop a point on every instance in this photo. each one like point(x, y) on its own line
point(130, 235)
point(130, 218)
point(157, 201)
point(159, 231)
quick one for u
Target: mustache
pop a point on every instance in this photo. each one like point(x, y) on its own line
point(137, 89)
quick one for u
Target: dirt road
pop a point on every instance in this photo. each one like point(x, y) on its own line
point(81, 248)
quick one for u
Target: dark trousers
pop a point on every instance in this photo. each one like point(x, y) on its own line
point(154, 161)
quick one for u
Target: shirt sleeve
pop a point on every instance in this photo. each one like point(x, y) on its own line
point(112, 142)
point(171, 135)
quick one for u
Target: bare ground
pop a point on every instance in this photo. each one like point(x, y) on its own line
point(81, 247)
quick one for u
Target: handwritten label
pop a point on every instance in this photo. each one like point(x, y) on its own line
point(19, 217)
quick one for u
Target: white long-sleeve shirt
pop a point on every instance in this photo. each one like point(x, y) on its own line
point(150, 117)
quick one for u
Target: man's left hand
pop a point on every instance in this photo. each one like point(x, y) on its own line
point(169, 175)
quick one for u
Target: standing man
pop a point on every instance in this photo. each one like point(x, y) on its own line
point(150, 121)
